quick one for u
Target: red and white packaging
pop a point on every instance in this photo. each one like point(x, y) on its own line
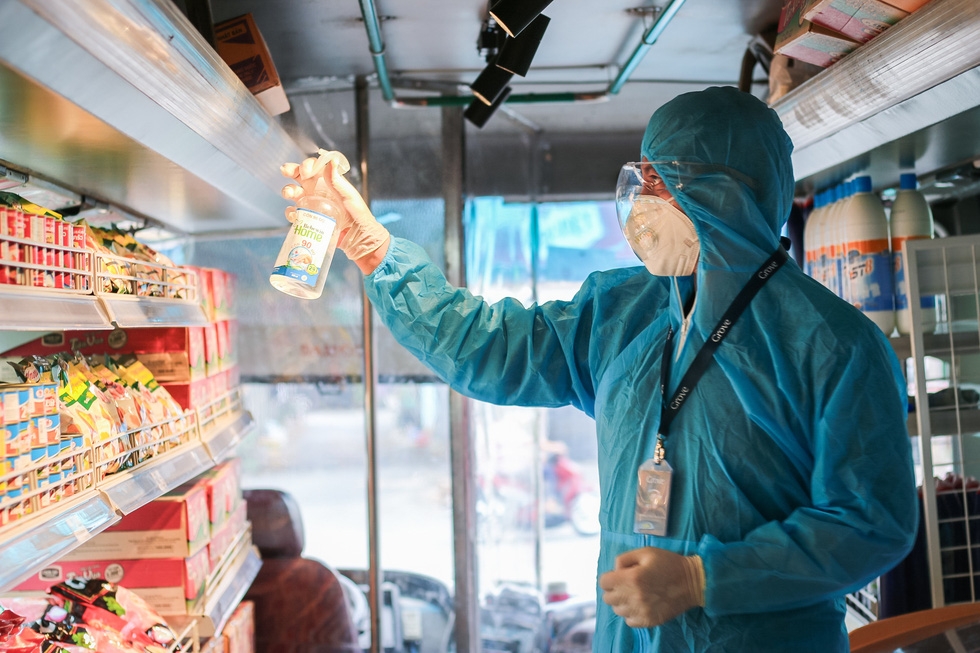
point(169, 585)
point(240, 629)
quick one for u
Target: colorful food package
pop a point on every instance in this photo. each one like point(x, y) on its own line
point(162, 278)
point(15, 636)
point(161, 405)
point(109, 607)
point(88, 417)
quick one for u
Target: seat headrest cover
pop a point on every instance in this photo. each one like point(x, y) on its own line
point(277, 526)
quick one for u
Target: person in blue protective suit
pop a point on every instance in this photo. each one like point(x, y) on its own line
point(740, 506)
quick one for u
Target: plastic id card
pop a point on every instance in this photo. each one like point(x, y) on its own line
point(652, 498)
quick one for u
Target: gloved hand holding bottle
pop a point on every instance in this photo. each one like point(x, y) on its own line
point(361, 237)
point(651, 586)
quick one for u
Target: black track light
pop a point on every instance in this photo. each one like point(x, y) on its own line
point(517, 53)
point(479, 113)
point(515, 15)
point(490, 83)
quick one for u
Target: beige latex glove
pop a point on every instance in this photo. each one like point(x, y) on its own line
point(362, 238)
point(651, 586)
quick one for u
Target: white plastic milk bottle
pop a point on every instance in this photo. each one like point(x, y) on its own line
point(868, 257)
point(811, 243)
point(302, 265)
point(833, 243)
point(911, 218)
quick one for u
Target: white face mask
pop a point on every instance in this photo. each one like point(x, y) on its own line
point(663, 237)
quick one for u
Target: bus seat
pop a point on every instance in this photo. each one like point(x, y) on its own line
point(300, 604)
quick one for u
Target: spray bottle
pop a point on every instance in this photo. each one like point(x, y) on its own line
point(302, 265)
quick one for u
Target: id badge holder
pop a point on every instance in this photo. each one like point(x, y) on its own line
point(653, 498)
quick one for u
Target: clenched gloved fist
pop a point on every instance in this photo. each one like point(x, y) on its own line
point(651, 586)
point(362, 238)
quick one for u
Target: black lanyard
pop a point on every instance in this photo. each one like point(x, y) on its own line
point(669, 409)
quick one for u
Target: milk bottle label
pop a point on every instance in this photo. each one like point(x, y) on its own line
point(869, 275)
point(901, 285)
point(308, 241)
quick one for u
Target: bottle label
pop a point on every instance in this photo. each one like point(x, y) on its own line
point(901, 285)
point(868, 275)
point(306, 245)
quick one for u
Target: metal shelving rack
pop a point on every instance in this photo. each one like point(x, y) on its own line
point(949, 436)
point(31, 545)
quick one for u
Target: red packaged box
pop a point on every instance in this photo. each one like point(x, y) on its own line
point(225, 536)
point(223, 287)
point(224, 492)
point(170, 585)
point(240, 629)
point(173, 354)
point(800, 39)
point(859, 20)
point(212, 359)
point(18, 224)
point(227, 352)
point(176, 525)
point(205, 284)
point(193, 395)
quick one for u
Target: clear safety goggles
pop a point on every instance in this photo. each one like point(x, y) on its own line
point(642, 178)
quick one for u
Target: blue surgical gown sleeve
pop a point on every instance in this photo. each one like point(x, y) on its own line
point(863, 516)
point(495, 353)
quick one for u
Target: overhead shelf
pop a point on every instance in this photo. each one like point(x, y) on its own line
point(127, 311)
point(128, 491)
point(29, 547)
point(154, 123)
point(43, 538)
point(916, 75)
point(34, 310)
point(50, 311)
point(228, 434)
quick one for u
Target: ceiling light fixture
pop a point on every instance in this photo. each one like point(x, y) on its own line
point(479, 113)
point(490, 83)
point(515, 15)
point(517, 52)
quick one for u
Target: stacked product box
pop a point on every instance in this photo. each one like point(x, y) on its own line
point(240, 629)
point(162, 551)
point(32, 456)
point(226, 508)
point(821, 32)
point(220, 343)
point(42, 251)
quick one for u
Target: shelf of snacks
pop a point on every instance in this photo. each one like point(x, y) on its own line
point(115, 441)
point(162, 456)
point(81, 613)
point(138, 293)
point(223, 424)
point(46, 268)
point(60, 275)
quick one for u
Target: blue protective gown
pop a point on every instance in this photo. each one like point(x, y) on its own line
point(792, 465)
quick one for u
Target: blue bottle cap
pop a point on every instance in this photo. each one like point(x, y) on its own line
point(862, 184)
point(907, 181)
